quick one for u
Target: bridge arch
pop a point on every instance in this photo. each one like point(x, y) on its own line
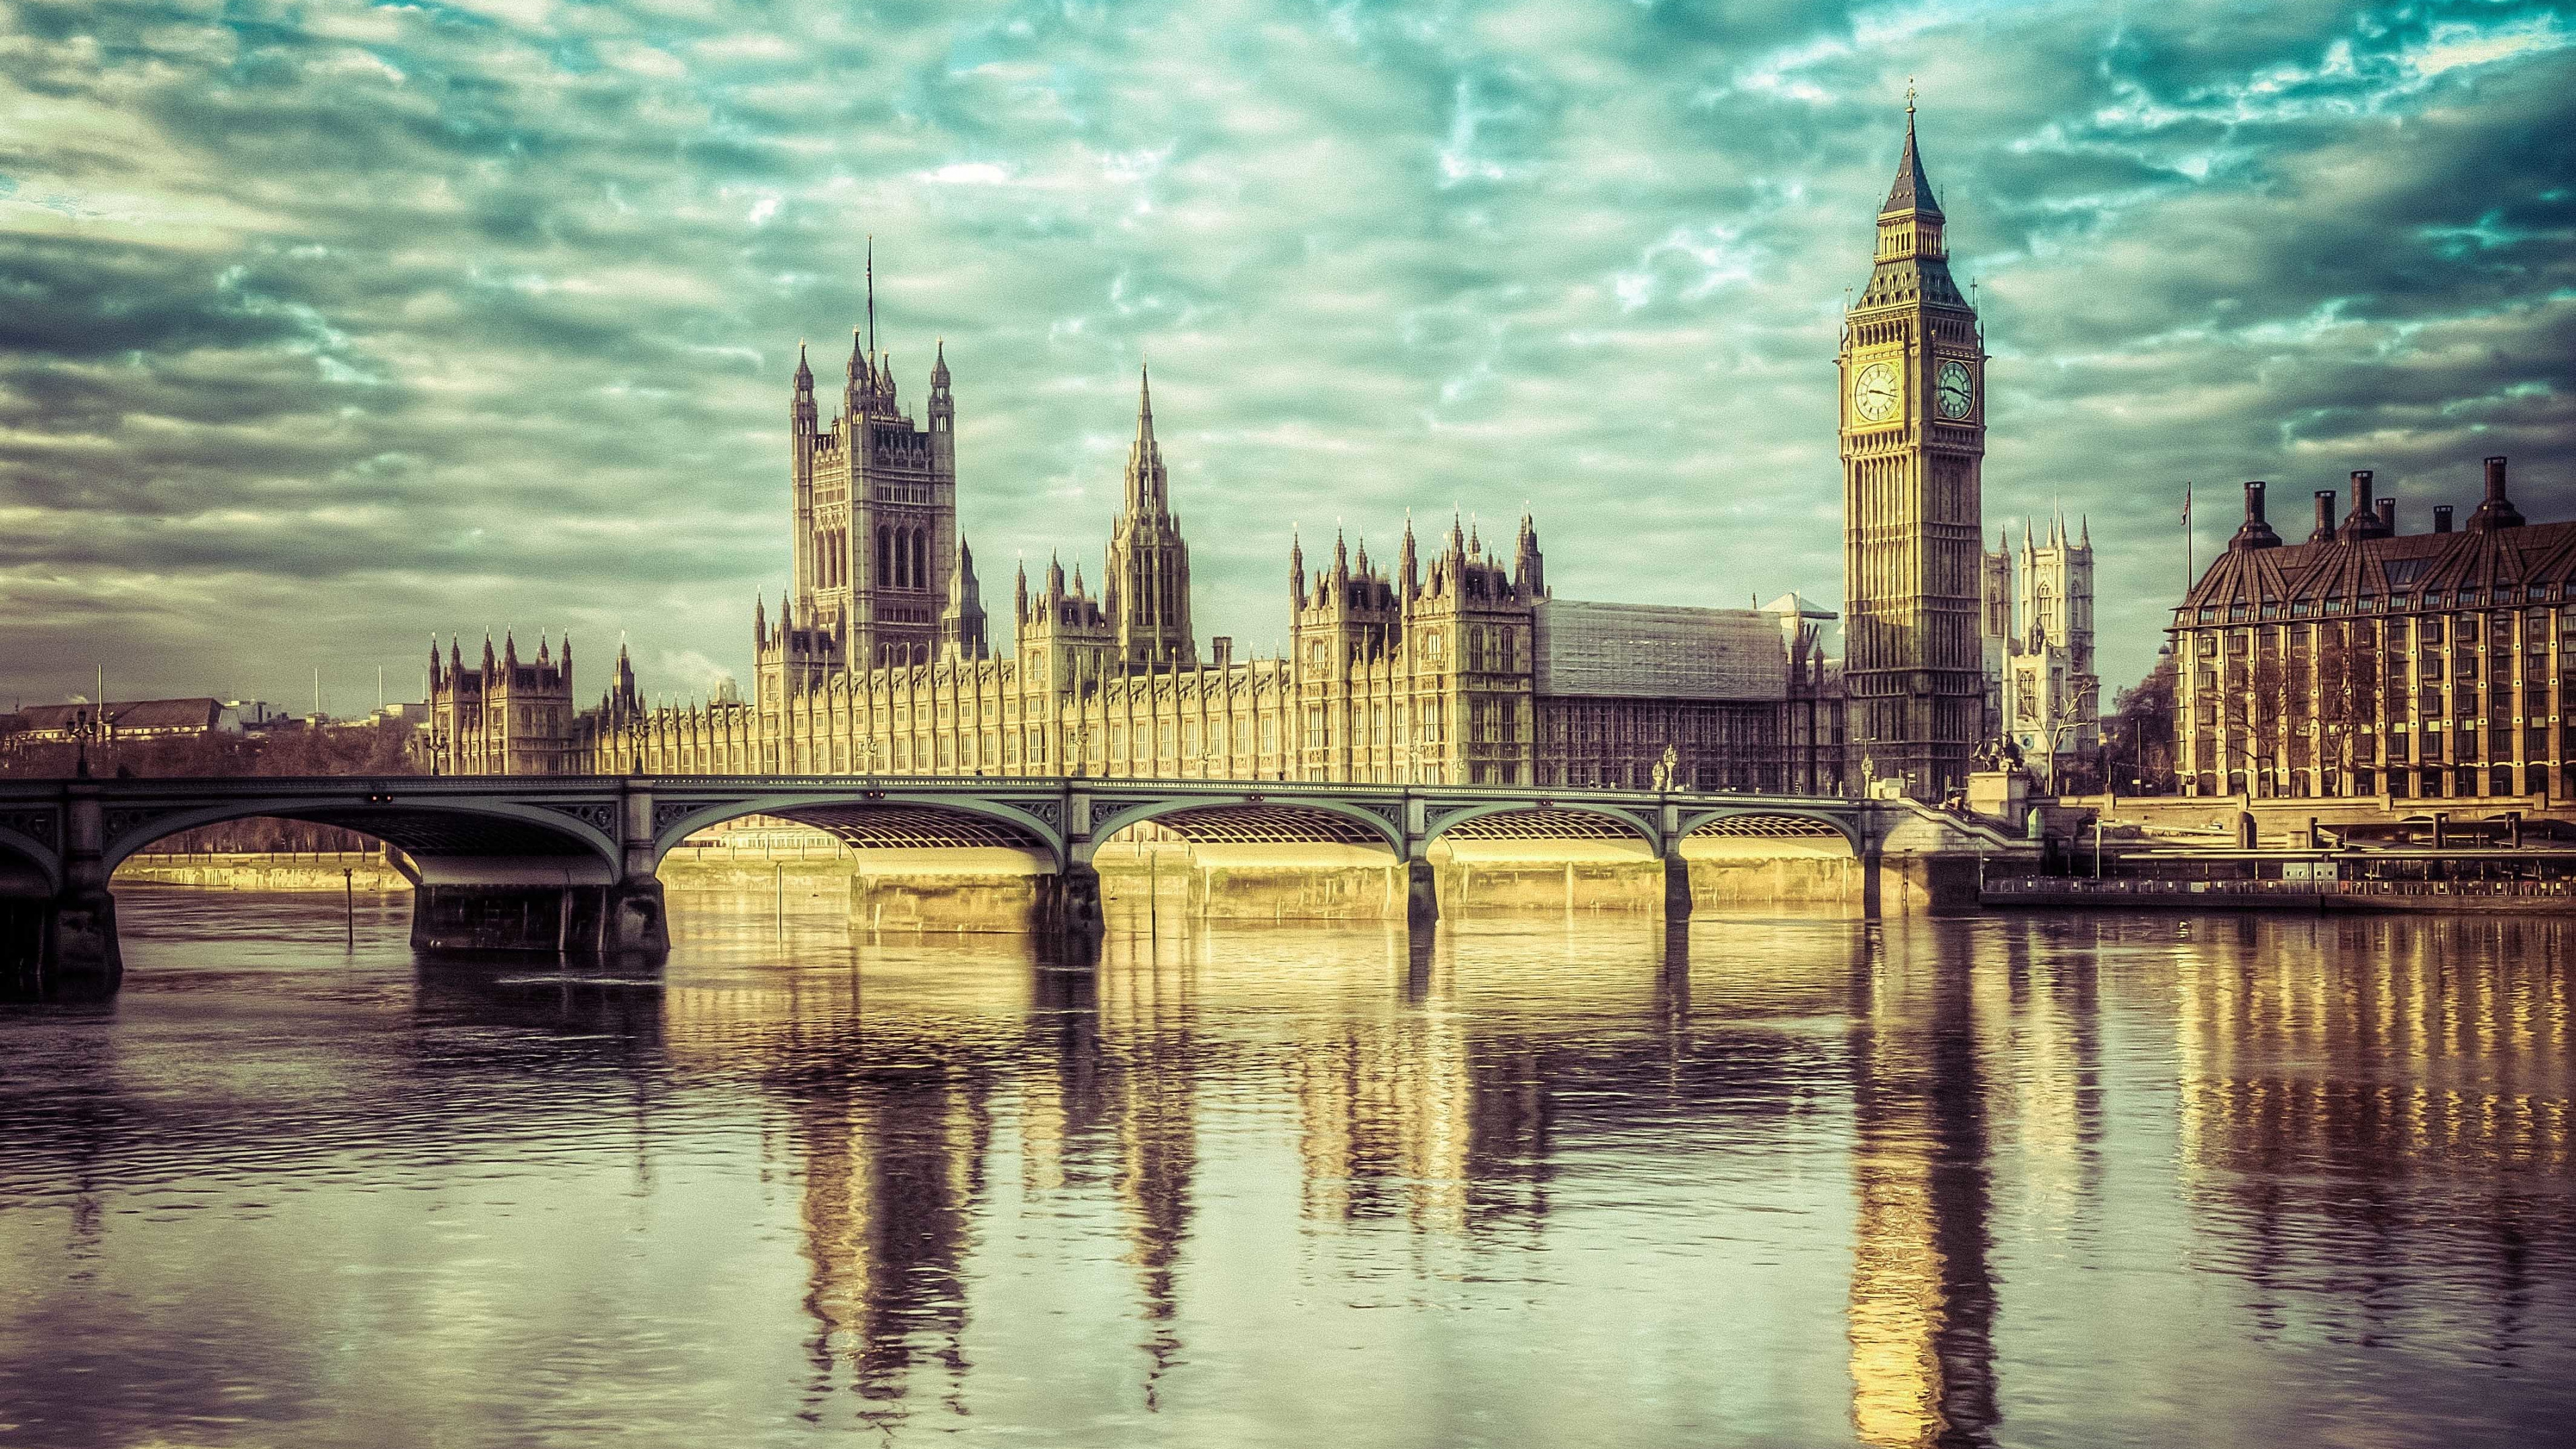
point(1551, 810)
point(1775, 822)
point(427, 828)
point(1252, 811)
point(873, 817)
point(28, 866)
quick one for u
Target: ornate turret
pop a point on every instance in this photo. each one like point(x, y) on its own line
point(943, 405)
point(1529, 570)
point(961, 623)
point(1145, 586)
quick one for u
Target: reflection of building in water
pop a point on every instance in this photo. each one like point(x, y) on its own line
point(1108, 1094)
point(2044, 1018)
point(1406, 1117)
point(1922, 1310)
point(893, 1165)
point(2332, 1076)
point(1145, 1015)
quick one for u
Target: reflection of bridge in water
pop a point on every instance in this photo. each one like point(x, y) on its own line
point(568, 864)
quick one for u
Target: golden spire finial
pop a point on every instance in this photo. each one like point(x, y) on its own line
point(1909, 95)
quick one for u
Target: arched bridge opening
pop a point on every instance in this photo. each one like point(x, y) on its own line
point(877, 859)
point(1547, 857)
point(483, 874)
point(1763, 860)
point(1247, 860)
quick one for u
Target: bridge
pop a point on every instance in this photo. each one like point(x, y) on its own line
point(567, 863)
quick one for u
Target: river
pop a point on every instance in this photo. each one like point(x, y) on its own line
point(1555, 1180)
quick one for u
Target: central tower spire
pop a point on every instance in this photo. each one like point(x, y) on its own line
point(1148, 574)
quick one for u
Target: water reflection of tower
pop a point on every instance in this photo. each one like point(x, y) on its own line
point(1405, 1116)
point(1106, 1096)
point(1922, 1310)
point(1145, 1030)
point(893, 1165)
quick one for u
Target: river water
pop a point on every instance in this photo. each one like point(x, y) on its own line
point(2016, 1180)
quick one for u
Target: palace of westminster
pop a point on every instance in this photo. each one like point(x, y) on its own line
point(1451, 663)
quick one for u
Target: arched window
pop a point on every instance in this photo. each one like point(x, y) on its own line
point(885, 556)
point(920, 560)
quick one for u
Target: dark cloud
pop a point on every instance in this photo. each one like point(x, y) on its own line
point(323, 327)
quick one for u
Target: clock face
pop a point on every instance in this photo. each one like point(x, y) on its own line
point(1874, 393)
point(1954, 390)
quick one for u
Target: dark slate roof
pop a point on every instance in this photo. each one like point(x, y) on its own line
point(145, 714)
point(2410, 570)
point(1912, 192)
point(1913, 279)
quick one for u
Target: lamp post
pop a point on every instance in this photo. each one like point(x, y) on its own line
point(1078, 739)
point(85, 727)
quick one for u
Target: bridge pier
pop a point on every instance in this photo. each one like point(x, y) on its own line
point(565, 905)
point(1677, 884)
point(75, 952)
point(1421, 895)
point(1076, 910)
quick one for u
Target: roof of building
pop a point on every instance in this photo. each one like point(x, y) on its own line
point(1653, 651)
point(1912, 191)
point(1800, 605)
point(142, 714)
point(2474, 566)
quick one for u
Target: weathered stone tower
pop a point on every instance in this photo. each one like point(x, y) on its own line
point(1913, 441)
point(875, 507)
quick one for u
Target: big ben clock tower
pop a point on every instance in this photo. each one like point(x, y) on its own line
point(1913, 439)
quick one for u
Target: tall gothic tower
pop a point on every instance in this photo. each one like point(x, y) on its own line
point(1146, 581)
point(875, 507)
point(1913, 440)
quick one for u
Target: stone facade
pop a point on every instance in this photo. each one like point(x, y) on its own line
point(1428, 670)
point(1913, 369)
point(2037, 620)
point(2363, 661)
point(504, 716)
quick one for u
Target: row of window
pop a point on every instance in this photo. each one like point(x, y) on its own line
point(2371, 603)
point(2436, 783)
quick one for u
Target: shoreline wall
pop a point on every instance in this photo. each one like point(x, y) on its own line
point(993, 889)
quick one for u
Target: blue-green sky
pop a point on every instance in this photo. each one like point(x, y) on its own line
point(330, 325)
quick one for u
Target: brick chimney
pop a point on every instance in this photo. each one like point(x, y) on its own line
point(2496, 511)
point(2324, 532)
point(2441, 518)
point(2254, 533)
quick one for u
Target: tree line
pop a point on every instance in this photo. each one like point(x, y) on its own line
point(377, 748)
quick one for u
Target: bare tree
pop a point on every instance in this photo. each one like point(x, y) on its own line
point(2253, 705)
point(2348, 675)
point(2142, 733)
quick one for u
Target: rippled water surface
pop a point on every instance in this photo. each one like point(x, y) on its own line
point(1799, 1182)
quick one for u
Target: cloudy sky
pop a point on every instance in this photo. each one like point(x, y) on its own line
point(324, 326)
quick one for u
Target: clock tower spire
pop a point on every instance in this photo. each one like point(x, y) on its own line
point(1913, 372)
